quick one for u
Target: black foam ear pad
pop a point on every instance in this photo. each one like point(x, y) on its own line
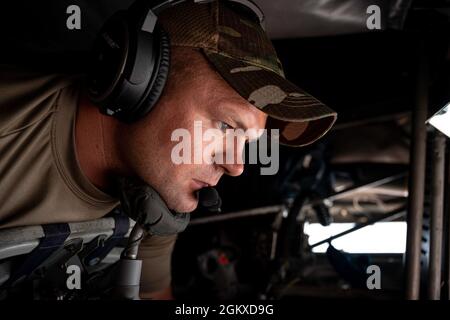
point(156, 85)
point(108, 58)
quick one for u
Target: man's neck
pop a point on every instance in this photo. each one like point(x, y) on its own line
point(96, 146)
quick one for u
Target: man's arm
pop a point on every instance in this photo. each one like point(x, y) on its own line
point(155, 253)
point(164, 294)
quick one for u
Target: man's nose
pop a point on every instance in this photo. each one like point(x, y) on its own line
point(234, 169)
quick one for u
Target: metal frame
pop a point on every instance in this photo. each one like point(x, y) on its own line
point(437, 217)
point(22, 240)
point(417, 179)
point(390, 216)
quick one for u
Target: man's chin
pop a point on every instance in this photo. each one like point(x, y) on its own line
point(186, 205)
point(185, 208)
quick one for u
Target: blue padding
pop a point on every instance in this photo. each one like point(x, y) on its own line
point(54, 237)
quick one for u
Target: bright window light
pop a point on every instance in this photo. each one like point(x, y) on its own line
point(382, 237)
point(441, 120)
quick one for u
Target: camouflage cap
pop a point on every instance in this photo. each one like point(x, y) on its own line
point(240, 50)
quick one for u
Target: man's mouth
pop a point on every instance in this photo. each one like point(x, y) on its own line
point(200, 184)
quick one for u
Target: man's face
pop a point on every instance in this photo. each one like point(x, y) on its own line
point(199, 95)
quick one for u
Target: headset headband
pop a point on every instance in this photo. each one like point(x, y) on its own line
point(131, 59)
point(148, 25)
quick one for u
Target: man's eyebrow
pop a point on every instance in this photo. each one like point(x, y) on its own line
point(240, 124)
point(236, 117)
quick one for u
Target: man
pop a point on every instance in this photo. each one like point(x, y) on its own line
point(60, 157)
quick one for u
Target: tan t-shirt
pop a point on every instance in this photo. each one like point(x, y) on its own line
point(40, 178)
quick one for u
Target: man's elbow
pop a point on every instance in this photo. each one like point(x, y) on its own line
point(164, 294)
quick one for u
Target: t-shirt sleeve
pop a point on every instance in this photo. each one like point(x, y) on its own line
point(156, 253)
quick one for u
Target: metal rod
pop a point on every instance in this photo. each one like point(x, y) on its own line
point(239, 214)
point(437, 217)
point(447, 214)
point(391, 191)
point(349, 191)
point(131, 250)
point(417, 179)
point(385, 217)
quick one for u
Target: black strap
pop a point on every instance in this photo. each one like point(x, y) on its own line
point(54, 237)
point(122, 224)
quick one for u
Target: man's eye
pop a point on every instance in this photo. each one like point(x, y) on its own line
point(224, 126)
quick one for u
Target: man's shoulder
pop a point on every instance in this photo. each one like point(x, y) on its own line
point(28, 96)
point(16, 74)
point(19, 81)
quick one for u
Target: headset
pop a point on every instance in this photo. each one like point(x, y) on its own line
point(131, 59)
point(130, 67)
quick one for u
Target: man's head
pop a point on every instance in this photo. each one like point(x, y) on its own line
point(224, 73)
point(194, 92)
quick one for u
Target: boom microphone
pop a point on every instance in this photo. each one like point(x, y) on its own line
point(209, 199)
point(143, 204)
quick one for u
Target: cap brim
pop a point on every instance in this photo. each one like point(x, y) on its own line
point(301, 118)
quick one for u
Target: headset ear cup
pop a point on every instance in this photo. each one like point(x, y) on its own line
point(106, 61)
point(156, 86)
